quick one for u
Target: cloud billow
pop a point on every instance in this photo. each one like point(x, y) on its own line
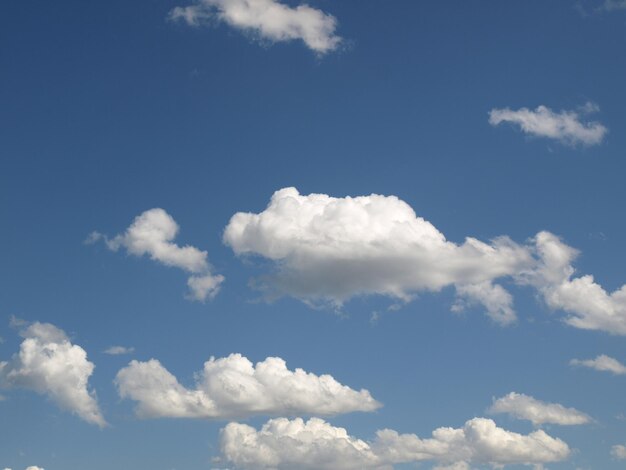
point(235, 387)
point(49, 364)
point(327, 249)
point(538, 412)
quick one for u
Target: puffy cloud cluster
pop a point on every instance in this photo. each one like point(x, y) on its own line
point(283, 444)
point(49, 364)
point(152, 233)
point(269, 20)
point(565, 126)
point(602, 363)
point(234, 387)
point(589, 305)
point(536, 411)
point(332, 249)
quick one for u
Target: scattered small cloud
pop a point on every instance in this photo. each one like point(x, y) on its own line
point(152, 233)
point(235, 387)
point(618, 452)
point(566, 127)
point(49, 364)
point(602, 363)
point(522, 406)
point(266, 20)
point(118, 350)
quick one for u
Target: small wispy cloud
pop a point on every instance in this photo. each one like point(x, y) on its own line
point(268, 20)
point(118, 350)
point(567, 127)
point(602, 363)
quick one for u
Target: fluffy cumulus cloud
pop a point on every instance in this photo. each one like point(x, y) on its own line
point(268, 20)
point(332, 249)
point(618, 452)
point(566, 126)
point(283, 444)
point(589, 305)
point(602, 363)
point(536, 411)
point(152, 233)
point(328, 249)
point(50, 364)
point(235, 387)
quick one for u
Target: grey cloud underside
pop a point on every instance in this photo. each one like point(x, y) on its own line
point(327, 249)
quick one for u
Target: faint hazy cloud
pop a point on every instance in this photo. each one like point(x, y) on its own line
point(268, 20)
point(618, 452)
point(152, 233)
point(118, 350)
point(522, 406)
point(565, 126)
point(602, 363)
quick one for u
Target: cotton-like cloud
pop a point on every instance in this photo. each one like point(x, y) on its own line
point(328, 249)
point(602, 363)
point(286, 444)
point(152, 233)
point(118, 350)
point(332, 249)
point(49, 364)
point(268, 20)
point(234, 387)
point(536, 411)
point(565, 126)
point(618, 452)
point(589, 305)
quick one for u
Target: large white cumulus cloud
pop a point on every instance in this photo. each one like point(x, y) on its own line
point(270, 20)
point(283, 444)
point(50, 364)
point(332, 249)
point(152, 233)
point(235, 387)
point(538, 412)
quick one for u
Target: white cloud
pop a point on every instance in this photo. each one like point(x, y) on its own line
point(536, 411)
point(283, 444)
point(453, 466)
point(152, 233)
point(34, 467)
point(602, 363)
point(50, 364)
point(589, 305)
point(332, 249)
point(234, 387)
point(618, 452)
point(611, 5)
point(565, 126)
point(327, 249)
point(268, 20)
point(118, 350)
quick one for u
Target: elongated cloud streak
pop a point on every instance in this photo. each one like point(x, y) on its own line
point(49, 364)
point(152, 233)
point(315, 444)
point(602, 363)
point(565, 126)
point(269, 20)
point(234, 387)
point(538, 412)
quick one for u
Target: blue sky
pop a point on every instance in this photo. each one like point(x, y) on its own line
point(406, 128)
